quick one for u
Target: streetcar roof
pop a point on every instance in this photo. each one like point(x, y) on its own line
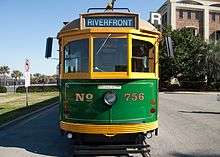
point(143, 25)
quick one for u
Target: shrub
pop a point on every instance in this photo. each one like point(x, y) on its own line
point(3, 89)
point(190, 86)
point(22, 89)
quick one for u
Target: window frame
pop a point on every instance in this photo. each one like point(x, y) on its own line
point(75, 75)
point(99, 75)
point(64, 59)
point(110, 75)
point(125, 52)
point(154, 74)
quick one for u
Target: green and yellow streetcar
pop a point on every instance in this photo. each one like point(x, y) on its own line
point(108, 81)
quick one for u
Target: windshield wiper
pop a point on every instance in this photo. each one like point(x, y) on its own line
point(103, 44)
point(98, 69)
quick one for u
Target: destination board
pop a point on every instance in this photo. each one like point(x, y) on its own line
point(110, 21)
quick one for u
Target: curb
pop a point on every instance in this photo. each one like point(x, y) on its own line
point(15, 121)
point(193, 93)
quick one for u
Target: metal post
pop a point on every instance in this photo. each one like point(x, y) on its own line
point(26, 96)
point(14, 85)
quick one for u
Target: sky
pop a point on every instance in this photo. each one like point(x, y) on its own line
point(25, 25)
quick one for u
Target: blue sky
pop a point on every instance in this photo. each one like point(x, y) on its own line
point(25, 25)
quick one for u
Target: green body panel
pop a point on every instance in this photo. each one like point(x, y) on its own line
point(132, 105)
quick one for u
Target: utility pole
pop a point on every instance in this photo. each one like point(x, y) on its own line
point(27, 78)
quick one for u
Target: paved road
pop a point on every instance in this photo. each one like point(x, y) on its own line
point(189, 127)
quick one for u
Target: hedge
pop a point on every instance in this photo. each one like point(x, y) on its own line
point(3, 89)
point(22, 89)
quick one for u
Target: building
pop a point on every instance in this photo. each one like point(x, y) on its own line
point(202, 16)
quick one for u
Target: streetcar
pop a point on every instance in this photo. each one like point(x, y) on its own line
point(109, 76)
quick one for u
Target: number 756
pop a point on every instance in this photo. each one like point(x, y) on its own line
point(134, 96)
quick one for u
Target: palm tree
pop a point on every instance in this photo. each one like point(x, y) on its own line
point(36, 78)
point(16, 74)
point(4, 70)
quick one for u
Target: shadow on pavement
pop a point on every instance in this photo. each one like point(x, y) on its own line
point(39, 135)
point(194, 155)
point(200, 112)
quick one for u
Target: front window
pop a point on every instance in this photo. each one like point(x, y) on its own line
point(76, 56)
point(110, 54)
point(143, 56)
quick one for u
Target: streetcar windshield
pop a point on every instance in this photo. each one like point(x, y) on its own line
point(110, 54)
point(76, 56)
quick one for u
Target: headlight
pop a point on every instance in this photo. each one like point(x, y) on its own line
point(110, 98)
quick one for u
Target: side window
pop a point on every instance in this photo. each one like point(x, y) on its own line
point(143, 56)
point(76, 56)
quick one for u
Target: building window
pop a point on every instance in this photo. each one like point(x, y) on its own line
point(213, 16)
point(193, 30)
point(197, 15)
point(181, 14)
point(219, 18)
point(218, 35)
point(189, 15)
point(215, 36)
point(164, 19)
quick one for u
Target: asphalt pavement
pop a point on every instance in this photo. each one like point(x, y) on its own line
point(189, 127)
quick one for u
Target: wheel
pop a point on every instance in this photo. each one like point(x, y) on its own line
point(146, 154)
point(62, 132)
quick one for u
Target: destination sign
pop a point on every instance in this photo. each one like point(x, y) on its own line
point(110, 21)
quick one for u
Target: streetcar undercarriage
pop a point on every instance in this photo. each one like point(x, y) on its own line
point(118, 145)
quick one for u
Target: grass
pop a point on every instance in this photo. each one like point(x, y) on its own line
point(12, 105)
point(12, 101)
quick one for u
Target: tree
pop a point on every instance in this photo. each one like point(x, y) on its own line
point(17, 75)
point(36, 78)
point(4, 70)
point(190, 56)
point(213, 61)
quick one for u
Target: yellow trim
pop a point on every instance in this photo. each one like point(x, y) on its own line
point(72, 33)
point(151, 40)
point(157, 59)
point(75, 76)
point(137, 75)
point(109, 75)
point(74, 38)
point(107, 30)
point(90, 54)
point(129, 55)
point(108, 129)
point(112, 35)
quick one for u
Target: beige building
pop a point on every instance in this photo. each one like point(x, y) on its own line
point(203, 16)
